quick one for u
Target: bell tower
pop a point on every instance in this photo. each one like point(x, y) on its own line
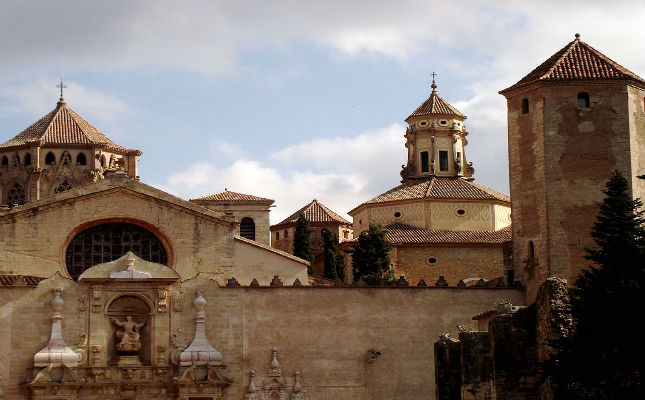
point(436, 140)
point(572, 121)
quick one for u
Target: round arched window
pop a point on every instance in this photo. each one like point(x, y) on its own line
point(107, 242)
point(247, 228)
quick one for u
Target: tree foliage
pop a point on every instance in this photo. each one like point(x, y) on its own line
point(371, 258)
point(604, 357)
point(302, 243)
point(334, 261)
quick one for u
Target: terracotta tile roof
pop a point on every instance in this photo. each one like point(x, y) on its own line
point(19, 280)
point(439, 188)
point(228, 196)
point(315, 212)
point(402, 234)
point(63, 126)
point(577, 60)
point(435, 105)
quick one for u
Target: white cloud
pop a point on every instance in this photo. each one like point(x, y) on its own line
point(35, 99)
point(340, 172)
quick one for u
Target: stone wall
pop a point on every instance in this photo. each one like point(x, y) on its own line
point(325, 333)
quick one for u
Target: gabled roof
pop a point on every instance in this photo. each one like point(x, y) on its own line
point(63, 126)
point(314, 212)
point(577, 61)
point(407, 234)
point(435, 105)
point(440, 189)
point(228, 196)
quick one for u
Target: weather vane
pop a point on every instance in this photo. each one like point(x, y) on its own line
point(62, 86)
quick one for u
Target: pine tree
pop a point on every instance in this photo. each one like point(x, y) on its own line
point(604, 357)
point(371, 258)
point(302, 243)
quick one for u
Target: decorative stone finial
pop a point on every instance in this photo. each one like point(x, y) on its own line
point(276, 282)
point(254, 283)
point(251, 387)
point(274, 366)
point(129, 272)
point(422, 283)
point(297, 387)
point(577, 36)
point(402, 281)
point(56, 352)
point(441, 281)
point(200, 351)
point(232, 282)
point(297, 282)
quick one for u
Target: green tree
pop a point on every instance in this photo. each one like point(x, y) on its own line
point(302, 243)
point(334, 261)
point(604, 356)
point(371, 258)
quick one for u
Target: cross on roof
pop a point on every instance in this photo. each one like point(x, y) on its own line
point(433, 75)
point(62, 86)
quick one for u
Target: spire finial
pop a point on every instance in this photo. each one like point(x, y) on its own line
point(61, 86)
point(577, 36)
point(434, 85)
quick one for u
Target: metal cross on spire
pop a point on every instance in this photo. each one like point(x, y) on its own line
point(61, 86)
point(434, 85)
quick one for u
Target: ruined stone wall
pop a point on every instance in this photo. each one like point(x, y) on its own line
point(325, 333)
point(453, 263)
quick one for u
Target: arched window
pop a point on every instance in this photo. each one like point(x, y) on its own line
point(27, 159)
point(63, 186)
point(583, 100)
point(16, 195)
point(107, 242)
point(525, 106)
point(66, 158)
point(277, 236)
point(247, 228)
point(5, 161)
point(80, 159)
point(50, 159)
point(103, 162)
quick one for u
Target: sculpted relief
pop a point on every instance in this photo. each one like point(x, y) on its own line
point(128, 335)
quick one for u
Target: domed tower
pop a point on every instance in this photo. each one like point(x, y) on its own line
point(60, 151)
point(436, 138)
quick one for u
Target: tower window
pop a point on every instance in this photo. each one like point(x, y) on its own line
point(277, 236)
point(80, 159)
point(247, 228)
point(425, 162)
point(443, 160)
point(28, 159)
point(525, 106)
point(5, 161)
point(50, 159)
point(583, 100)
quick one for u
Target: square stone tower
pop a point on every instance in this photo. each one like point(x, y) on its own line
point(572, 121)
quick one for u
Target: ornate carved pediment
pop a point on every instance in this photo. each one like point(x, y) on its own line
point(275, 386)
point(129, 266)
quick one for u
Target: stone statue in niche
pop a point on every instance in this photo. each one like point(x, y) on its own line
point(128, 334)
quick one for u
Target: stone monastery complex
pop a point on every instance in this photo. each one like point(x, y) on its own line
point(114, 289)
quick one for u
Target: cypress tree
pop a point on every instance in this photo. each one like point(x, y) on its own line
point(329, 248)
point(302, 243)
point(371, 258)
point(604, 357)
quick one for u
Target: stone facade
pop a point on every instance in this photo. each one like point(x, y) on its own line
point(242, 325)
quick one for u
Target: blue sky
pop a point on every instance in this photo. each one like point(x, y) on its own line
point(291, 100)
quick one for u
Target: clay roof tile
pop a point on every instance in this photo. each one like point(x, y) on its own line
point(315, 212)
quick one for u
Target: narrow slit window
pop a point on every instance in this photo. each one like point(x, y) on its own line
point(525, 106)
point(425, 162)
point(443, 160)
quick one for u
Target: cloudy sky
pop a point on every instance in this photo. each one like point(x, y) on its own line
point(291, 100)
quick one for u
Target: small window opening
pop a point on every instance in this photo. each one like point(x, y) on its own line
point(80, 159)
point(425, 162)
point(443, 122)
point(525, 106)
point(531, 250)
point(443, 160)
point(247, 228)
point(458, 155)
point(27, 159)
point(103, 162)
point(277, 236)
point(397, 214)
point(5, 161)
point(50, 159)
point(286, 233)
point(346, 234)
point(432, 260)
point(583, 100)
point(423, 123)
point(461, 211)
